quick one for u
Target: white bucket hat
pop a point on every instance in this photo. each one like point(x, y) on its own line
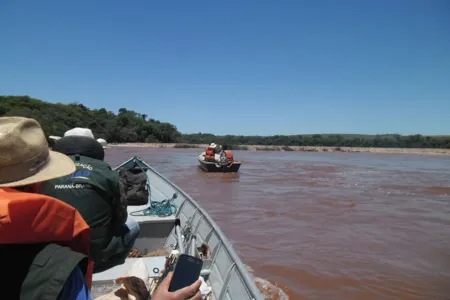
point(103, 143)
point(78, 131)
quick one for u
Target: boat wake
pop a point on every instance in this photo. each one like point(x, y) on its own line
point(269, 290)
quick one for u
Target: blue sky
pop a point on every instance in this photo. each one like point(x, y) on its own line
point(238, 67)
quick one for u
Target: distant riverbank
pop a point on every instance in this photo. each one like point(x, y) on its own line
point(423, 151)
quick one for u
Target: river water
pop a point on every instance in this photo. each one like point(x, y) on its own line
point(327, 225)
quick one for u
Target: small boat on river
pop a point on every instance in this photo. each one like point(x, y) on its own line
point(172, 220)
point(209, 166)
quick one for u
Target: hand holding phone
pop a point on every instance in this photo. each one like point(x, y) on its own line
point(186, 272)
point(191, 292)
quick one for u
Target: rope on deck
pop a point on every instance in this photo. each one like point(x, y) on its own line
point(164, 208)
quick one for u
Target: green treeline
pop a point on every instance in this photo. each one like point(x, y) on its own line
point(331, 140)
point(129, 126)
point(125, 127)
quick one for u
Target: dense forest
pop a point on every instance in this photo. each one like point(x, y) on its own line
point(125, 127)
point(128, 126)
point(330, 140)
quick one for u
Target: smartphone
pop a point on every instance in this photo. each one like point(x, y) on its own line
point(186, 272)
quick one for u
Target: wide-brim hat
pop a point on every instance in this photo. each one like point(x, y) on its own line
point(25, 157)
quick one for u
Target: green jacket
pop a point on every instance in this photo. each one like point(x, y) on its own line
point(38, 271)
point(94, 191)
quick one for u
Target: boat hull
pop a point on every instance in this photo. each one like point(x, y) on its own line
point(222, 270)
point(216, 168)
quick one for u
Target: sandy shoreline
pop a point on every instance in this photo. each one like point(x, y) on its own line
point(423, 151)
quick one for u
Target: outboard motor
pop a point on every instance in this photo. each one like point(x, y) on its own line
point(223, 159)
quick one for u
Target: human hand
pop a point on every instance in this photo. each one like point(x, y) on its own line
point(191, 292)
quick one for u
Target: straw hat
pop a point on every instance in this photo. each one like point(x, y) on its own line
point(78, 131)
point(24, 154)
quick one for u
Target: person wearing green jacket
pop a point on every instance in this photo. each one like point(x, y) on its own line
point(94, 190)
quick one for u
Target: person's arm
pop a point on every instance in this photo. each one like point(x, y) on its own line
point(120, 202)
point(75, 287)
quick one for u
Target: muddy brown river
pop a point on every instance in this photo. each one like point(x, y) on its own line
point(326, 225)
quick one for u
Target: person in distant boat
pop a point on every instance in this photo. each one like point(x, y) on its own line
point(94, 190)
point(218, 149)
point(210, 152)
point(215, 153)
point(44, 243)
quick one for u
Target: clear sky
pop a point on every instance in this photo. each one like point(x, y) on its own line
point(238, 67)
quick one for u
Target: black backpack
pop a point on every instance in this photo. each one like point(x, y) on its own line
point(134, 186)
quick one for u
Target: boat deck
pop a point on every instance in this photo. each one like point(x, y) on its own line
point(154, 266)
point(222, 269)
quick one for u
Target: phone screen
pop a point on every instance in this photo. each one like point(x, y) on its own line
point(187, 271)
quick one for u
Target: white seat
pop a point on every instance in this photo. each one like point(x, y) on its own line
point(153, 264)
